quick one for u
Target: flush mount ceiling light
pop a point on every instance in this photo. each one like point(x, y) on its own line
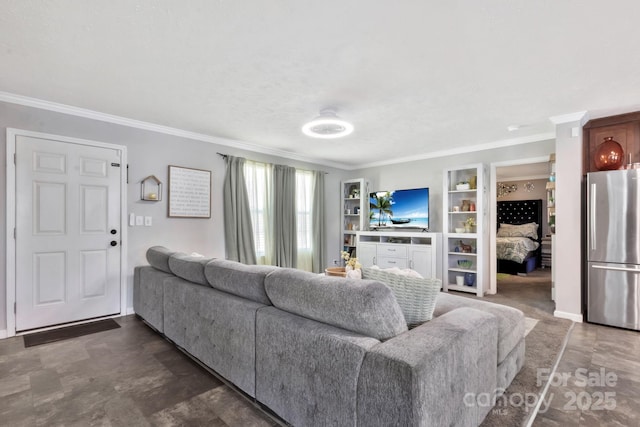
point(328, 125)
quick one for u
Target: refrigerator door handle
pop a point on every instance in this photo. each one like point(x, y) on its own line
point(604, 267)
point(592, 217)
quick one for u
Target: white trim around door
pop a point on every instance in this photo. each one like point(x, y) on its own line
point(493, 214)
point(10, 255)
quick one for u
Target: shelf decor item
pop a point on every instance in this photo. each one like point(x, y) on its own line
point(609, 155)
point(469, 224)
point(473, 182)
point(151, 189)
point(464, 263)
point(469, 279)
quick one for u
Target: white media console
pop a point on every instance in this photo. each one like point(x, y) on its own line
point(420, 251)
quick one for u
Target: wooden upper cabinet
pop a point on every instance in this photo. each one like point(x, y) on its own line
point(625, 129)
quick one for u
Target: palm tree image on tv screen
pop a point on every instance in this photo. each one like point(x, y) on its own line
point(399, 209)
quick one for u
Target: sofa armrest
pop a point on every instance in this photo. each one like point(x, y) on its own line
point(431, 375)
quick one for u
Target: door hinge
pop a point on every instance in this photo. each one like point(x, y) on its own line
point(15, 156)
point(15, 233)
point(15, 307)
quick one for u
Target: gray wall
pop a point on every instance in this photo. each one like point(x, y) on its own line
point(150, 153)
point(428, 172)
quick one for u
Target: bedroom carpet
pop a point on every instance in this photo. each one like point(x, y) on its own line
point(532, 290)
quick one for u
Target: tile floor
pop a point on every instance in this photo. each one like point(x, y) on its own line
point(132, 377)
point(597, 382)
point(594, 356)
point(123, 377)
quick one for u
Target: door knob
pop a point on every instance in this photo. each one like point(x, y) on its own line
point(113, 243)
point(114, 231)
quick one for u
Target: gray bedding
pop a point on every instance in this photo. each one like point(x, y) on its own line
point(514, 248)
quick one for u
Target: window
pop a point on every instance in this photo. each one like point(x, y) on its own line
point(304, 202)
point(258, 177)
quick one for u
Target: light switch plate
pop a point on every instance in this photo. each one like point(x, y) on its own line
point(139, 220)
point(147, 221)
point(132, 219)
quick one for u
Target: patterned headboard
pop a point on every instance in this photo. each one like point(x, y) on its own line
point(521, 212)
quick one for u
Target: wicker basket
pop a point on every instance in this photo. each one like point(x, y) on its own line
point(335, 271)
point(416, 297)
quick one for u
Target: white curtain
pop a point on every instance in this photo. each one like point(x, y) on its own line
point(304, 209)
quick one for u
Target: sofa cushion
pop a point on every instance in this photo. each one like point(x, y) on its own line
point(158, 257)
point(363, 306)
point(510, 320)
point(416, 297)
point(239, 279)
point(189, 267)
point(306, 371)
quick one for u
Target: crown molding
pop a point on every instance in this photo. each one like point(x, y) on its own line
point(522, 178)
point(139, 124)
point(580, 116)
point(463, 149)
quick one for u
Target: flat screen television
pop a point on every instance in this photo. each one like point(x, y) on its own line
point(399, 209)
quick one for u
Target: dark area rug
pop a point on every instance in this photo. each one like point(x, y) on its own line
point(531, 295)
point(67, 332)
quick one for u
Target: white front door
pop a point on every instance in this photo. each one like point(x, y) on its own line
point(67, 232)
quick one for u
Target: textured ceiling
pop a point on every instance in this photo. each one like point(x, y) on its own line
point(414, 77)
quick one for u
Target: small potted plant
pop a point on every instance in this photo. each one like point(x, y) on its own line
point(469, 224)
point(351, 263)
point(351, 266)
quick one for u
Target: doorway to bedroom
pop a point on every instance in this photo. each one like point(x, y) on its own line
point(520, 230)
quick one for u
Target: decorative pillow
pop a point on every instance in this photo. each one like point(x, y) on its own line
point(366, 307)
point(416, 297)
point(520, 230)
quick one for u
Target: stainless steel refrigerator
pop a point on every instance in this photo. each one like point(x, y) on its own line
point(613, 248)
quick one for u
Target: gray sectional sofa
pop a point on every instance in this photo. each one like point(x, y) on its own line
point(322, 350)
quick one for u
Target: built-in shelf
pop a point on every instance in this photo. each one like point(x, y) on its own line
point(464, 246)
point(354, 208)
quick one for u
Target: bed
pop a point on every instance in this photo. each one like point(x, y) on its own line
point(518, 243)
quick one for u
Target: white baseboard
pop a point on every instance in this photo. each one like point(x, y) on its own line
point(130, 311)
point(3, 334)
point(570, 316)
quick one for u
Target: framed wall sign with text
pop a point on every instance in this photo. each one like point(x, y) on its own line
point(189, 193)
